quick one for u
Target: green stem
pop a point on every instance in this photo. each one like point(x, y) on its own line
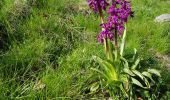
point(116, 45)
point(123, 41)
point(116, 40)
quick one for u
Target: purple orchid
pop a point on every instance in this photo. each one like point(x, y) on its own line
point(119, 11)
point(96, 4)
point(106, 33)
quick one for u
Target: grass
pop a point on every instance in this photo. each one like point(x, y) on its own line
point(53, 41)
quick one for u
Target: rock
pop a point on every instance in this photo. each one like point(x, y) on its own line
point(163, 18)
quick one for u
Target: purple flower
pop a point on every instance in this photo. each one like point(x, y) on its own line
point(119, 11)
point(95, 4)
point(106, 33)
point(125, 10)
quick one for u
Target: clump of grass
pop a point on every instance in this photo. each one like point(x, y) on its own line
point(149, 33)
point(18, 61)
point(71, 74)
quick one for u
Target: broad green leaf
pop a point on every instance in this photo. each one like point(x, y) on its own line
point(101, 63)
point(147, 83)
point(106, 76)
point(126, 65)
point(136, 63)
point(135, 54)
point(126, 70)
point(147, 74)
point(136, 82)
point(108, 68)
point(138, 74)
point(154, 71)
point(142, 77)
point(111, 71)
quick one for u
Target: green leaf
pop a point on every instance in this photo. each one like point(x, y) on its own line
point(142, 77)
point(110, 52)
point(135, 54)
point(136, 82)
point(145, 93)
point(126, 70)
point(136, 63)
point(106, 76)
point(123, 90)
point(138, 74)
point(101, 63)
point(112, 71)
point(154, 71)
point(126, 65)
point(147, 74)
point(123, 42)
point(108, 68)
point(115, 52)
point(94, 87)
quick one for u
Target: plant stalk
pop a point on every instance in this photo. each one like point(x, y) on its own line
point(102, 21)
point(116, 40)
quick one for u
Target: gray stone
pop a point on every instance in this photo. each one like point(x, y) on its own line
point(163, 18)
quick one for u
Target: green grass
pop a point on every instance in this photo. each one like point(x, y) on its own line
point(53, 41)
